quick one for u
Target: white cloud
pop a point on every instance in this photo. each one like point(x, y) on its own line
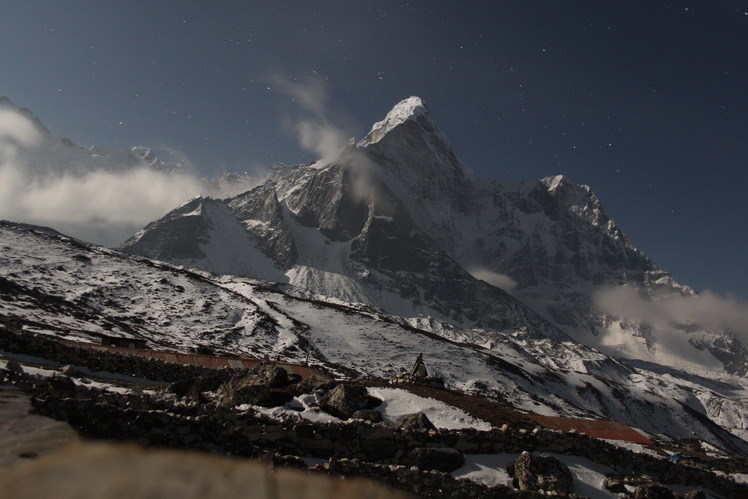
point(101, 206)
point(493, 278)
point(319, 130)
point(96, 200)
point(16, 129)
point(667, 316)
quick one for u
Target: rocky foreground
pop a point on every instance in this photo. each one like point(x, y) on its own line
point(107, 396)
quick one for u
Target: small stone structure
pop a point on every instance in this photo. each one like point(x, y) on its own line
point(418, 374)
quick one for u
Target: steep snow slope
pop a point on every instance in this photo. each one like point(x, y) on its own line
point(57, 285)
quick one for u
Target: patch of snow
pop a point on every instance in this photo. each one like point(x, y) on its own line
point(398, 404)
point(488, 469)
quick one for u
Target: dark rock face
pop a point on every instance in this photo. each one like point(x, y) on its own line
point(344, 400)
point(273, 234)
point(542, 472)
point(329, 202)
point(176, 236)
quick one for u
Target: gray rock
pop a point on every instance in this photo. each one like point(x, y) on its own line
point(254, 387)
point(417, 422)
point(273, 375)
point(343, 400)
point(249, 389)
point(542, 472)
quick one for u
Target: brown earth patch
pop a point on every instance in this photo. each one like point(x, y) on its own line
point(492, 412)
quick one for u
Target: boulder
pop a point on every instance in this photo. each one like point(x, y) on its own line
point(416, 422)
point(255, 387)
point(695, 494)
point(314, 383)
point(14, 366)
point(273, 375)
point(343, 400)
point(246, 390)
point(543, 472)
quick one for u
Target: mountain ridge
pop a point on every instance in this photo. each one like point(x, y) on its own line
point(402, 225)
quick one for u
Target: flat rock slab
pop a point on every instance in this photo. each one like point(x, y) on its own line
point(24, 435)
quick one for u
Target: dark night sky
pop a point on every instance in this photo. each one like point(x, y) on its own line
point(645, 101)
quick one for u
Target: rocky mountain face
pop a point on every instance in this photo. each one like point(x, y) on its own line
point(395, 221)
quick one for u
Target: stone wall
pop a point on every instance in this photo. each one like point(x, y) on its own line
point(351, 447)
point(97, 360)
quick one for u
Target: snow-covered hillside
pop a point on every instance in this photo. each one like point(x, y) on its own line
point(57, 285)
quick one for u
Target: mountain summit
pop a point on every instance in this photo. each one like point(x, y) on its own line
point(396, 222)
point(410, 109)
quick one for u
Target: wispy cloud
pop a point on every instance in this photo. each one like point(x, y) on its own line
point(326, 132)
point(319, 130)
point(502, 281)
point(102, 204)
point(670, 317)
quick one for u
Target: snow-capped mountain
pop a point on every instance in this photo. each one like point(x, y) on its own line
point(56, 285)
point(41, 153)
point(397, 222)
point(389, 249)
